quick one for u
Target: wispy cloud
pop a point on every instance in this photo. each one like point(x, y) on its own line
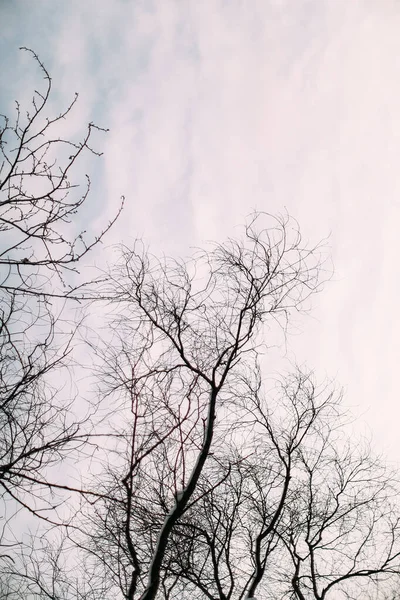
point(219, 107)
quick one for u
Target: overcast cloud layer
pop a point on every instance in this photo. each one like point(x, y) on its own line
point(216, 108)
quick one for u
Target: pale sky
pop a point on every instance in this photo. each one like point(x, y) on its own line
point(219, 107)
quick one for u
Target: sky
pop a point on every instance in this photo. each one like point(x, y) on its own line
point(216, 108)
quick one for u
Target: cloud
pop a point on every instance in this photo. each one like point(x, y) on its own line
point(219, 107)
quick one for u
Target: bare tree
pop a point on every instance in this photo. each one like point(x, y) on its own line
point(229, 536)
point(183, 337)
point(342, 529)
point(213, 486)
point(41, 246)
point(284, 508)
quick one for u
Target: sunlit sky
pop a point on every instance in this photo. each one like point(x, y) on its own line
point(219, 107)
